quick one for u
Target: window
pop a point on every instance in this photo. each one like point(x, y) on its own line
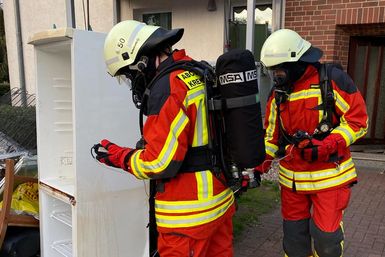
point(158, 19)
point(263, 27)
point(263, 15)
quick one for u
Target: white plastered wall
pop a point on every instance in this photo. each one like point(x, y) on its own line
point(39, 15)
point(204, 31)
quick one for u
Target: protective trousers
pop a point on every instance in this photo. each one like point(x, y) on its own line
point(217, 242)
point(323, 225)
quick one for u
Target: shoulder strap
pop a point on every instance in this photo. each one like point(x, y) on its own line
point(324, 71)
point(175, 66)
point(326, 91)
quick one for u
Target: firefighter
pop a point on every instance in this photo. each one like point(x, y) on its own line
point(316, 171)
point(193, 207)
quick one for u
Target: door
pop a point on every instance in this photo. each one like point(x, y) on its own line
point(367, 68)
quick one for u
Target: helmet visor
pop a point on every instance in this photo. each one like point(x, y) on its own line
point(126, 77)
point(278, 74)
point(123, 80)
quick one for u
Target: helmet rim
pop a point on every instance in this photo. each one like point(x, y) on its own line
point(312, 55)
point(160, 39)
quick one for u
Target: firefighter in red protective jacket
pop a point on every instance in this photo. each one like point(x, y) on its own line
point(193, 208)
point(310, 135)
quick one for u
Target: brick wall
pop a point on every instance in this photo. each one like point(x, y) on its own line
point(328, 24)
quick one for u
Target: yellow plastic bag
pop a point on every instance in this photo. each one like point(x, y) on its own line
point(25, 199)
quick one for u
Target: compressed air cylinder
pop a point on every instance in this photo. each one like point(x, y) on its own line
point(237, 83)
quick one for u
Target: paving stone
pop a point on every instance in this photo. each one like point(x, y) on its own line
point(364, 222)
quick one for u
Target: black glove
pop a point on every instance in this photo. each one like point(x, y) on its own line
point(257, 177)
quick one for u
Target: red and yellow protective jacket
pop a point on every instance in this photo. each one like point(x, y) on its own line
point(300, 112)
point(176, 122)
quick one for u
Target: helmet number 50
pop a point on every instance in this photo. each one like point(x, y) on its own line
point(121, 42)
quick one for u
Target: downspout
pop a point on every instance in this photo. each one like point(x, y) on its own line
point(20, 53)
point(117, 10)
point(226, 20)
point(70, 13)
point(250, 27)
point(278, 14)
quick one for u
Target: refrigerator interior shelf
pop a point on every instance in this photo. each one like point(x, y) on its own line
point(63, 216)
point(64, 247)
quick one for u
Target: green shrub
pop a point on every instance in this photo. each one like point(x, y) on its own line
point(19, 123)
point(4, 76)
point(4, 88)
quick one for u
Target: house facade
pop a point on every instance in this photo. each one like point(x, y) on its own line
point(206, 31)
point(351, 32)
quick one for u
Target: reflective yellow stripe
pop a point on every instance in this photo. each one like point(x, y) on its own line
point(317, 175)
point(168, 151)
point(349, 135)
point(343, 232)
point(204, 184)
point(197, 96)
point(323, 184)
point(204, 119)
point(308, 93)
point(194, 219)
point(198, 130)
point(193, 205)
point(210, 182)
point(272, 121)
point(340, 102)
point(304, 94)
point(200, 185)
point(362, 132)
point(346, 132)
point(270, 149)
point(284, 181)
point(134, 165)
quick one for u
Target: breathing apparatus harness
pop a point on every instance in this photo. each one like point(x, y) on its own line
point(212, 156)
point(302, 139)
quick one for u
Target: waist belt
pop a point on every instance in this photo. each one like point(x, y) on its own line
point(197, 159)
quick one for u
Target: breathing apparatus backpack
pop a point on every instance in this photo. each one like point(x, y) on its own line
point(237, 110)
point(236, 136)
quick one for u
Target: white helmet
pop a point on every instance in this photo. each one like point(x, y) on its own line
point(128, 40)
point(286, 45)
